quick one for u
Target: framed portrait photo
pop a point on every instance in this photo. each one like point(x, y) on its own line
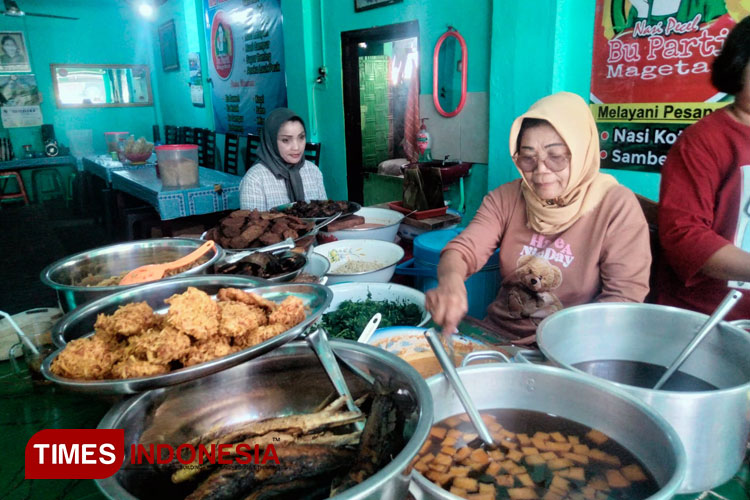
point(170, 60)
point(360, 5)
point(14, 58)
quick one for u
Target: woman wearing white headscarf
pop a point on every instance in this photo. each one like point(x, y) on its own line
point(281, 174)
point(567, 233)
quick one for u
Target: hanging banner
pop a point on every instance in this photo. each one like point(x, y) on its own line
point(651, 74)
point(245, 45)
point(19, 101)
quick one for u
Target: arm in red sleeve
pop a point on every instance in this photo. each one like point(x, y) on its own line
point(691, 177)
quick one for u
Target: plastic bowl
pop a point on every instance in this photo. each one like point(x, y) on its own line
point(138, 157)
point(341, 252)
point(389, 221)
point(357, 292)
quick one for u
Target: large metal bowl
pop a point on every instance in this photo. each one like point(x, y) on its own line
point(576, 397)
point(64, 274)
point(80, 323)
point(612, 341)
point(287, 381)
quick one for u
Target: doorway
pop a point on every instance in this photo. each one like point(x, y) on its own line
point(380, 67)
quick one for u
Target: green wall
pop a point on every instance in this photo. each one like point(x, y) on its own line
point(106, 33)
point(534, 59)
point(470, 17)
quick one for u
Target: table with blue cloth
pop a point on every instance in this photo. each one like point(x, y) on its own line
point(215, 192)
point(102, 166)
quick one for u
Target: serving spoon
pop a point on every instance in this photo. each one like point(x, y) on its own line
point(152, 272)
point(455, 381)
point(282, 245)
point(726, 305)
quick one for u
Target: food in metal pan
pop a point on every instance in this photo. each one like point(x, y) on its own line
point(253, 229)
point(539, 456)
point(314, 209)
point(350, 318)
point(264, 265)
point(320, 454)
point(91, 280)
point(136, 342)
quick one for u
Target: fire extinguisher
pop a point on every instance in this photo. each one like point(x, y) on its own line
point(424, 143)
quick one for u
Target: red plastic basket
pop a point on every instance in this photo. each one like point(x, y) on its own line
point(398, 206)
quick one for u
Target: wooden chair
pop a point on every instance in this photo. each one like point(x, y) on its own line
point(156, 134)
point(231, 153)
point(312, 152)
point(650, 211)
point(208, 148)
point(170, 134)
point(186, 135)
point(251, 150)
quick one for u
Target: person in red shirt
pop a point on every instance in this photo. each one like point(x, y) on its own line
point(704, 203)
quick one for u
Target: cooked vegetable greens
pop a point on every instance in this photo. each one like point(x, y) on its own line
point(351, 317)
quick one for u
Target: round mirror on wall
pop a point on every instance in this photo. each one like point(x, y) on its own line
point(449, 69)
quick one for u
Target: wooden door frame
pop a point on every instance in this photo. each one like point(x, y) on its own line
point(350, 41)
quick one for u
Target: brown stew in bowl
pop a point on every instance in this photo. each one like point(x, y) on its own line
point(540, 456)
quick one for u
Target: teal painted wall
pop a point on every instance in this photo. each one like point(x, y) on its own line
point(106, 33)
point(174, 106)
point(531, 60)
point(470, 17)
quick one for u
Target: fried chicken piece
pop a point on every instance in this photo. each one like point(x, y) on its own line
point(251, 299)
point(289, 313)
point(260, 334)
point(89, 359)
point(238, 318)
point(207, 350)
point(160, 347)
point(130, 319)
point(135, 368)
point(194, 312)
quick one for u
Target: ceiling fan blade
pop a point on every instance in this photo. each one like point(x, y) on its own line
point(51, 15)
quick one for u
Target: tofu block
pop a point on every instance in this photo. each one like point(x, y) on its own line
point(522, 493)
point(438, 432)
point(581, 449)
point(459, 471)
point(525, 480)
point(452, 421)
point(449, 441)
point(633, 473)
point(462, 453)
point(616, 480)
point(480, 456)
point(459, 492)
point(575, 473)
point(579, 459)
point(596, 437)
point(559, 463)
point(496, 455)
point(448, 450)
point(467, 483)
point(505, 480)
point(493, 468)
point(558, 437)
point(515, 455)
point(560, 483)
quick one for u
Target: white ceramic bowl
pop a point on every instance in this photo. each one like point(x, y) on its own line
point(317, 265)
point(339, 253)
point(357, 292)
point(390, 220)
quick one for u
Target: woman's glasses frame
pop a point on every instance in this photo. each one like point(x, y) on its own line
point(554, 161)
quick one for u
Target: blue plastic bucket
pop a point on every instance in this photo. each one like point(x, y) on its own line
point(481, 287)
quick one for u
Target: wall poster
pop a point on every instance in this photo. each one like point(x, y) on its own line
point(245, 45)
point(19, 101)
point(651, 74)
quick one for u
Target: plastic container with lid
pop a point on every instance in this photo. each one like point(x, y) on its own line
point(481, 287)
point(178, 164)
point(113, 139)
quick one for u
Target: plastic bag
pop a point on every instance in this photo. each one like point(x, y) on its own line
point(423, 188)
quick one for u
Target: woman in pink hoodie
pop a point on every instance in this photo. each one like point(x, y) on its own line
point(567, 233)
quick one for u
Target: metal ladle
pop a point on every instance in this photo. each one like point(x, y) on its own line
point(726, 305)
point(318, 341)
point(455, 381)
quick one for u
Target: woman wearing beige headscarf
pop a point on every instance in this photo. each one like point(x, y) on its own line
point(567, 233)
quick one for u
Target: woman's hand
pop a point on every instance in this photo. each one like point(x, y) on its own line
point(448, 303)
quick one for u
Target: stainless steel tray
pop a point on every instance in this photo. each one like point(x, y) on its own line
point(80, 323)
point(351, 209)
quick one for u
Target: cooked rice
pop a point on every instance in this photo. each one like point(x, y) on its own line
point(357, 266)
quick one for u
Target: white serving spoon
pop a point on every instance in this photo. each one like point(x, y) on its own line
point(370, 328)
